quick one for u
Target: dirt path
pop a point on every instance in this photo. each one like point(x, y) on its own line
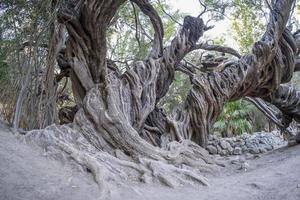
point(273, 176)
point(26, 174)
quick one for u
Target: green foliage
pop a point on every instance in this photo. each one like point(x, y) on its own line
point(235, 119)
point(296, 80)
point(130, 37)
point(3, 64)
point(298, 9)
point(3, 68)
point(177, 92)
point(248, 23)
point(125, 39)
point(24, 32)
point(218, 8)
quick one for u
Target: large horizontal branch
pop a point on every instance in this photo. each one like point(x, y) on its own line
point(287, 100)
point(257, 75)
point(32, 44)
point(218, 48)
point(267, 111)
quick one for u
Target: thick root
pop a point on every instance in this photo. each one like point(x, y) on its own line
point(173, 176)
point(65, 143)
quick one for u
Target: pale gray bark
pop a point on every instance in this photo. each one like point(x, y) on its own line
point(119, 115)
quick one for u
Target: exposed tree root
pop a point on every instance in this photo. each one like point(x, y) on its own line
point(182, 166)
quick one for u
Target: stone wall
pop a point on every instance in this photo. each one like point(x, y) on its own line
point(255, 143)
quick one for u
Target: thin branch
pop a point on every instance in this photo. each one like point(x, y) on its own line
point(136, 19)
point(268, 4)
point(204, 10)
point(169, 15)
point(31, 44)
point(191, 64)
point(267, 111)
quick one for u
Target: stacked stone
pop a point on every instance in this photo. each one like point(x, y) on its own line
point(256, 143)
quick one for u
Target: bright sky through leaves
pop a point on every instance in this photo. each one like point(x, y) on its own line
point(193, 7)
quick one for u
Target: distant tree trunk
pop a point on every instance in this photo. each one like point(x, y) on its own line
point(56, 42)
point(20, 99)
point(49, 110)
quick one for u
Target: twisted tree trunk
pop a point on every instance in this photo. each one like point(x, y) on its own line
point(119, 127)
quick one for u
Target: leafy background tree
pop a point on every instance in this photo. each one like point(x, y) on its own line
point(235, 119)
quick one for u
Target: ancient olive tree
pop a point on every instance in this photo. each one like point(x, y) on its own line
point(119, 133)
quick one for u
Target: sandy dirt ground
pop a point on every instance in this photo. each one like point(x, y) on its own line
point(273, 176)
point(27, 174)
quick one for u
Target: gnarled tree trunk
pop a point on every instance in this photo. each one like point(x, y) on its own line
point(119, 127)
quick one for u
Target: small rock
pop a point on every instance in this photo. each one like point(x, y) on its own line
point(211, 149)
point(240, 143)
point(244, 166)
point(255, 185)
point(230, 149)
point(245, 136)
point(235, 162)
point(224, 144)
point(298, 186)
point(229, 140)
point(237, 151)
point(268, 147)
point(213, 137)
point(216, 134)
point(249, 156)
point(256, 156)
point(219, 149)
point(261, 142)
point(248, 144)
point(233, 145)
point(210, 137)
point(244, 149)
point(254, 150)
point(238, 160)
point(224, 153)
point(215, 143)
point(209, 142)
point(262, 150)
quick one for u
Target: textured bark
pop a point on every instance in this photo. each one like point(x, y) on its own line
point(49, 101)
point(87, 23)
point(256, 75)
point(118, 119)
point(285, 97)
